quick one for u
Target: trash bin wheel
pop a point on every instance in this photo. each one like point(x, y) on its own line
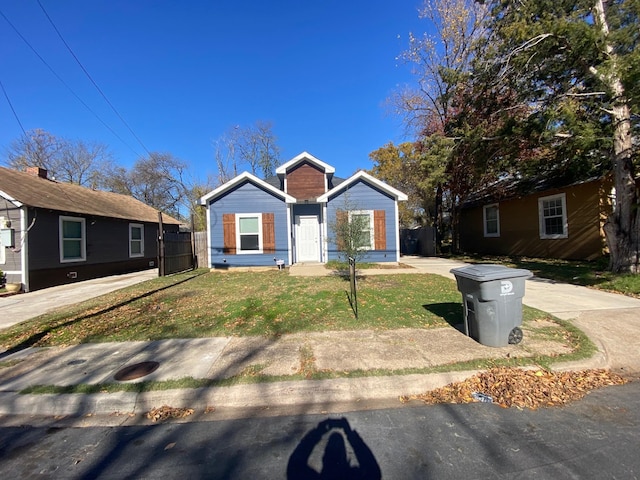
point(515, 336)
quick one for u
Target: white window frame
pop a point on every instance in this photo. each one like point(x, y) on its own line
point(83, 239)
point(485, 220)
point(132, 240)
point(371, 245)
point(541, 214)
point(239, 250)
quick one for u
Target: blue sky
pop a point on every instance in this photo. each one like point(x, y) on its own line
point(183, 73)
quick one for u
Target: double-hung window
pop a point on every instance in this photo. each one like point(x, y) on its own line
point(73, 241)
point(136, 240)
point(362, 224)
point(249, 232)
point(491, 219)
point(552, 211)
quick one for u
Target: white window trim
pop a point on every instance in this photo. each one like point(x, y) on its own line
point(83, 243)
point(484, 220)
point(565, 226)
point(371, 226)
point(131, 240)
point(239, 250)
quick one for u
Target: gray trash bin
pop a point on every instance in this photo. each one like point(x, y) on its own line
point(492, 301)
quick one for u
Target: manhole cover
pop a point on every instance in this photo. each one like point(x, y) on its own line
point(136, 370)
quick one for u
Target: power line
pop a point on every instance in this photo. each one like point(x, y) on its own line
point(91, 79)
point(6, 95)
point(66, 85)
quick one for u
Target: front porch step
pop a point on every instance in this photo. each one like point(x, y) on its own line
point(308, 270)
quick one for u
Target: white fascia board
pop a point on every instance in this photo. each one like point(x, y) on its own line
point(238, 180)
point(305, 156)
point(9, 198)
point(362, 175)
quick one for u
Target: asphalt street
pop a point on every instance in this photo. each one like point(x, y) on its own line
point(597, 437)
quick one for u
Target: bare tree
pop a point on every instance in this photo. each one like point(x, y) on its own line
point(253, 148)
point(440, 62)
point(71, 161)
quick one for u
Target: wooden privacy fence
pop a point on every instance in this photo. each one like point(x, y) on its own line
point(200, 247)
point(176, 253)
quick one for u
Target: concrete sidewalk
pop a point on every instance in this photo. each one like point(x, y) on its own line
point(611, 321)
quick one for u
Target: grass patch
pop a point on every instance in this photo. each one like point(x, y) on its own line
point(238, 304)
point(588, 274)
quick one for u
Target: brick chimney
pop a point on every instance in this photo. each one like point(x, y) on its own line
point(37, 172)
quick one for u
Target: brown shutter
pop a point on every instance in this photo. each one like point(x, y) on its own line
point(268, 233)
point(379, 230)
point(229, 233)
point(341, 217)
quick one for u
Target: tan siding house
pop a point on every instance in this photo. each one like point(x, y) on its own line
point(564, 223)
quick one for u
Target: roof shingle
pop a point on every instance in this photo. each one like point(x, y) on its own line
point(40, 192)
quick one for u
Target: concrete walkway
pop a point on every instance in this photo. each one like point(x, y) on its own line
point(611, 321)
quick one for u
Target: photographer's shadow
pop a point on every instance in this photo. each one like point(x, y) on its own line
point(335, 459)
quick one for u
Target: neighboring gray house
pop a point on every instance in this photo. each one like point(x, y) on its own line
point(253, 222)
point(52, 233)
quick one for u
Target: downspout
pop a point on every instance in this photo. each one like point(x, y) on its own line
point(289, 236)
point(24, 258)
point(397, 228)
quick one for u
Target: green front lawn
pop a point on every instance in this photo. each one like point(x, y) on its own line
point(267, 303)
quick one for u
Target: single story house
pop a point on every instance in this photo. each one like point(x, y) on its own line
point(287, 219)
point(544, 219)
point(53, 233)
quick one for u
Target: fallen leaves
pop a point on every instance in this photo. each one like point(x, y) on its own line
point(165, 412)
point(514, 387)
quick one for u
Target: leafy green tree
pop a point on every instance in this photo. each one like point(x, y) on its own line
point(573, 66)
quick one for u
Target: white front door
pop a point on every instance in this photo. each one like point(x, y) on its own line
point(307, 238)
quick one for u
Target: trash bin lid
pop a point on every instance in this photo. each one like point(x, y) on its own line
point(488, 272)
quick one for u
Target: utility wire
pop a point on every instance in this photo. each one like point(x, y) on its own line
point(6, 95)
point(91, 79)
point(66, 85)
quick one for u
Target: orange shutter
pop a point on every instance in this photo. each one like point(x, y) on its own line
point(342, 217)
point(379, 230)
point(229, 233)
point(268, 233)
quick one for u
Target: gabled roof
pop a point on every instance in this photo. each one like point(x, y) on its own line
point(245, 177)
point(365, 177)
point(26, 189)
point(282, 169)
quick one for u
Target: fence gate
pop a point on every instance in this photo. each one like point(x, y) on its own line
point(176, 253)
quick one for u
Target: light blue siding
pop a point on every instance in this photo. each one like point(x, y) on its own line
point(247, 198)
point(363, 196)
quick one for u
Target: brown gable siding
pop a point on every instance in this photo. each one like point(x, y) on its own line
point(305, 182)
point(379, 230)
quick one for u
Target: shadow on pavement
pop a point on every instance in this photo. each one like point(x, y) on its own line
point(335, 459)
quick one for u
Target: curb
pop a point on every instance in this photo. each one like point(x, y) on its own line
point(320, 393)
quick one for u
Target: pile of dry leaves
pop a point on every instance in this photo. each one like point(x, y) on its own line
point(513, 387)
point(165, 412)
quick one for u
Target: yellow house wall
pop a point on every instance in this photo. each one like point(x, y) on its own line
point(586, 205)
